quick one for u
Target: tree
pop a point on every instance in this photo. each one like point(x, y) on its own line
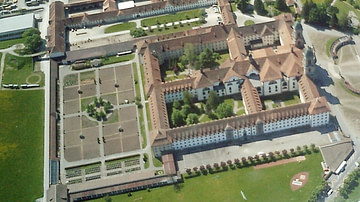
point(281, 5)
point(202, 20)
point(176, 105)
point(30, 32)
point(250, 158)
point(192, 118)
point(343, 21)
point(195, 169)
point(188, 98)
point(189, 54)
point(208, 166)
point(277, 153)
point(333, 23)
point(224, 110)
point(313, 147)
point(237, 161)
point(229, 162)
point(206, 57)
point(308, 5)
point(137, 32)
point(257, 157)
point(223, 164)
point(202, 12)
point(32, 43)
point(271, 155)
point(318, 15)
point(243, 159)
point(242, 5)
point(306, 148)
point(108, 198)
point(259, 7)
point(186, 109)
point(216, 165)
point(177, 118)
point(188, 171)
point(212, 101)
point(284, 152)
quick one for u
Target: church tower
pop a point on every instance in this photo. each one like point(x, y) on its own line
point(309, 61)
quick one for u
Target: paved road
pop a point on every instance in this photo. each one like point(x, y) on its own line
point(252, 148)
point(333, 93)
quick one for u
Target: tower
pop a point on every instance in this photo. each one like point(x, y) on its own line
point(309, 61)
point(297, 36)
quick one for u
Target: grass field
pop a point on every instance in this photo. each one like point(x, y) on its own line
point(174, 17)
point(344, 8)
point(9, 43)
point(142, 128)
point(173, 29)
point(21, 145)
point(249, 22)
point(136, 77)
point(18, 69)
point(328, 44)
point(148, 116)
point(120, 27)
point(116, 59)
point(257, 185)
point(233, 7)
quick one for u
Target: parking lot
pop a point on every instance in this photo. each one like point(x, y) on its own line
point(87, 138)
point(251, 149)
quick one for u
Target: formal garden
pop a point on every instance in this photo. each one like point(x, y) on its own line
point(237, 180)
point(99, 109)
point(187, 112)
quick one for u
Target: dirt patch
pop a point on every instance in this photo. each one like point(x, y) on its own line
point(299, 180)
point(285, 161)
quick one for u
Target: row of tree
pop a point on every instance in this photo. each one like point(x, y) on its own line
point(324, 14)
point(197, 61)
point(259, 7)
point(252, 160)
point(350, 183)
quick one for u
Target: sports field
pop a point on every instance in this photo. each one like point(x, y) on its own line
point(21, 145)
point(257, 185)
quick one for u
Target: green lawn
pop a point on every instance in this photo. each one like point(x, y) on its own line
point(175, 77)
point(249, 22)
point(148, 116)
point(174, 17)
point(136, 78)
point(9, 43)
point(240, 112)
point(21, 145)
point(205, 119)
point(143, 79)
point(156, 162)
point(315, 1)
point(173, 29)
point(257, 185)
point(18, 69)
point(120, 27)
point(328, 44)
point(142, 128)
point(344, 8)
point(116, 59)
point(233, 7)
point(223, 56)
point(355, 194)
point(229, 101)
point(292, 100)
point(146, 156)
